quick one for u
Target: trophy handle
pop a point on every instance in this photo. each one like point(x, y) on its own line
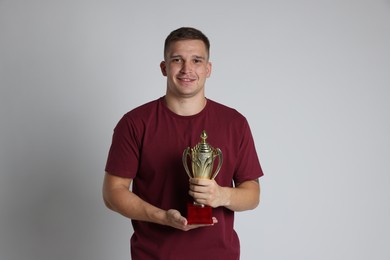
point(185, 163)
point(220, 160)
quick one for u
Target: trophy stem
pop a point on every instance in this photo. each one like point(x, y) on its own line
point(198, 204)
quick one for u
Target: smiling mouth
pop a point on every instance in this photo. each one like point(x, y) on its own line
point(186, 79)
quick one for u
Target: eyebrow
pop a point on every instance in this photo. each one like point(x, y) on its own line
point(174, 56)
point(199, 57)
point(194, 56)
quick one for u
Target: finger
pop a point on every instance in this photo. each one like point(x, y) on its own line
point(199, 196)
point(215, 221)
point(183, 221)
point(198, 189)
point(193, 226)
point(177, 220)
point(199, 182)
point(175, 215)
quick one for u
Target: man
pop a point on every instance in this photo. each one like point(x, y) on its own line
point(147, 149)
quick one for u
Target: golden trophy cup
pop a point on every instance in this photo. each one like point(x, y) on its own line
point(202, 158)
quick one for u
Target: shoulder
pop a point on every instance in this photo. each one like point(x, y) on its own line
point(137, 117)
point(225, 111)
point(142, 110)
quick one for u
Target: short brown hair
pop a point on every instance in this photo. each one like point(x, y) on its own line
point(186, 33)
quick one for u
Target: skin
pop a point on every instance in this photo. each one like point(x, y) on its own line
point(186, 66)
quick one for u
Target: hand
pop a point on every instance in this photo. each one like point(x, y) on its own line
point(176, 220)
point(208, 192)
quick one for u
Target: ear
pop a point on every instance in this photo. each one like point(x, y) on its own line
point(163, 68)
point(209, 67)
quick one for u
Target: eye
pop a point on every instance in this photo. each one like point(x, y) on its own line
point(177, 60)
point(197, 61)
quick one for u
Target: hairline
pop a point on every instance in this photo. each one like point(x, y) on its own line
point(182, 40)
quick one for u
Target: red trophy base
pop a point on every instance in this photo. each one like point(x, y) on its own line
point(199, 214)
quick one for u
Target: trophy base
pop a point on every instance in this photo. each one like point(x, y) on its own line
point(199, 214)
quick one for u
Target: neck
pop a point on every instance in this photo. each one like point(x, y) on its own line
point(185, 106)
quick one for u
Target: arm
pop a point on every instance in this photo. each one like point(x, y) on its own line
point(119, 198)
point(244, 196)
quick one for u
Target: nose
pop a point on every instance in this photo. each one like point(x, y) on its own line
point(186, 68)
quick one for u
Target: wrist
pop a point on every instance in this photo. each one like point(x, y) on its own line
point(226, 196)
point(158, 216)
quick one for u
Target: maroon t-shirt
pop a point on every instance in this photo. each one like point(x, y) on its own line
point(147, 146)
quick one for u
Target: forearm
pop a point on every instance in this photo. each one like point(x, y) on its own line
point(128, 204)
point(245, 196)
point(131, 206)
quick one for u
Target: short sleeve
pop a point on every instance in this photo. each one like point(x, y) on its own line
point(123, 156)
point(248, 165)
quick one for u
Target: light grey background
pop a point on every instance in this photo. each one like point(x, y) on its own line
point(312, 77)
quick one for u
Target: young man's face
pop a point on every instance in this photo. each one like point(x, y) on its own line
point(186, 67)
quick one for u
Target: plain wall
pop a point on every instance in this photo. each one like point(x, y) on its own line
point(312, 78)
